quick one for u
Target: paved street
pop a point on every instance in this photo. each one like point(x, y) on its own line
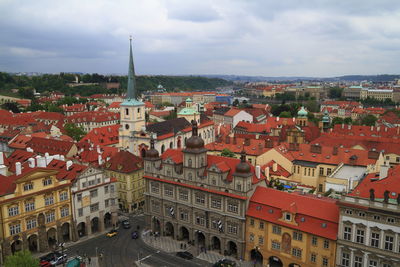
point(122, 251)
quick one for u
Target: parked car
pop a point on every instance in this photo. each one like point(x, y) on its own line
point(59, 260)
point(135, 235)
point(225, 263)
point(126, 224)
point(48, 258)
point(112, 233)
point(185, 255)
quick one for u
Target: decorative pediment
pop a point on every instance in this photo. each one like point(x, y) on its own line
point(36, 174)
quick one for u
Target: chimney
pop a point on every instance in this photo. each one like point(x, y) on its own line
point(31, 162)
point(69, 164)
point(99, 159)
point(372, 194)
point(98, 149)
point(372, 128)
point(335, 150)
point(41, 161)
point(227, 140)
point(1, 158)
point(62, 158)
point(18, 168)
point(258, 171)
point(316, 148)
point(267, 173)
point(275, 166)
point(373, 154)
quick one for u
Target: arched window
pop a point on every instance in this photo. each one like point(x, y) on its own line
point(162, 149)
point(190, 176)
point(189, 162)
point(127, 126)
point(127, 111)
point(200, 135)
point(171, 145)
point(202, 161)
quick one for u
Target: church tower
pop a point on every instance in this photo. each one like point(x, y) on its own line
point(132, 110)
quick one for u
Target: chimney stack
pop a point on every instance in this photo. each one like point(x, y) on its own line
point(275, 167)
point(335, 150)
point(69, 164)
point(31, 162)
point(316, 148)
point(267, 173)
point(100, 160)
point(258, 171)
point(41, 161)
point(18, 168)
point(373, 154)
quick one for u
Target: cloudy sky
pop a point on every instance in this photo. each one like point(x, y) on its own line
point(265, 37)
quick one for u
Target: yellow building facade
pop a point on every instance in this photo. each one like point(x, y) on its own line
point(35, 211)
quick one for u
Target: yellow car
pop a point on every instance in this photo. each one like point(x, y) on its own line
point(112, 233)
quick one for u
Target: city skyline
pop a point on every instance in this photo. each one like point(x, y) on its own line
point(313, 38)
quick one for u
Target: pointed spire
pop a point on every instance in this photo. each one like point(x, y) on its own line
point(131, 92)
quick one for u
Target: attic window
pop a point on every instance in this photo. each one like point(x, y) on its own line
point(302, 219)
point(271, 211)
point(324, 225)
point(258, 208)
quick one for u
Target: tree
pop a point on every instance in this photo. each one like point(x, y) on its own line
point(347, 120)
point(227, 153)
point(335, 92)
point(337, 120)
point(235, 102)
point(285, 114)
point(26, 93)
point(22, 258)
point(312, 106)
point(369, 120)
point(73, 131)
point(11, 106)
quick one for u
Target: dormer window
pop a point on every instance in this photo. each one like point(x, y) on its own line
point(28, 187)
point(288, 217)
point(47, 181)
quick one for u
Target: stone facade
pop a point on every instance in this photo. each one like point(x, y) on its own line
point(369, 233)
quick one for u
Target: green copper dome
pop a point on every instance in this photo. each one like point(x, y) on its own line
point(326, 117)
point(188, 100)
point(302, 113)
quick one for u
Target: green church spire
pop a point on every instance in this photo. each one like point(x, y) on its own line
point(131, 92)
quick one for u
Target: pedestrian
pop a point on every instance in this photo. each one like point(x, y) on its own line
point(90, 259)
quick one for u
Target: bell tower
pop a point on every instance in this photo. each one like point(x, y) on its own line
point(132, 110)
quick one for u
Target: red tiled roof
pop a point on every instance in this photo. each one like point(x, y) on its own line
point(124, 161)
point(160, 113)
point(74, 108)
point(372, 181)
point(232, 112)
point(148, 104)
point(92, 116)
point(114, 105)
point(52, 146)
point(255, 148)
point(107, 135)
point(360, 130)
point(280, 171)
point(267, 204)
point(252, 127)
point(326, 156)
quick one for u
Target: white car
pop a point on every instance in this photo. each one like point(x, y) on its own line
point(59, 260)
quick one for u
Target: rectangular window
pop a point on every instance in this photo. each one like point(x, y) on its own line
point(232, 207)
point(168, 191)
point(276, 245)
point(15, 229)
point(252, 222)
point(358, 261)
point(360, 236)
point(326, 243)
point(216, 203)
point(50, 217)
point(373, 263)
point(155, 188)
point(106, 189)
point(30, 224)
point(313, 258)
point(389, 242)
point(260, 240)
point(328, 171)
point(92, 182)
point(28, 187)
point(314, 241)
point(374, 240)
point(321, 171)
point(94, 207)
point(200, 199)
point(232, 229)
point(79, 197)
point(184, 215)
point(325, 261)
point(112, 188)
point(297, 236)
point(93, 193)
point(276, 230)
point(13, 211)
point(183, 195)
point(47, 182)
point(200, 220)
point(64, 211)
point(63, 196)
point(49, 200)
point(106, 203)
point(261, 225)
point(80, 212)
point(155, 206)
point(296, 252)
point(347, 233)
point(29, 206)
